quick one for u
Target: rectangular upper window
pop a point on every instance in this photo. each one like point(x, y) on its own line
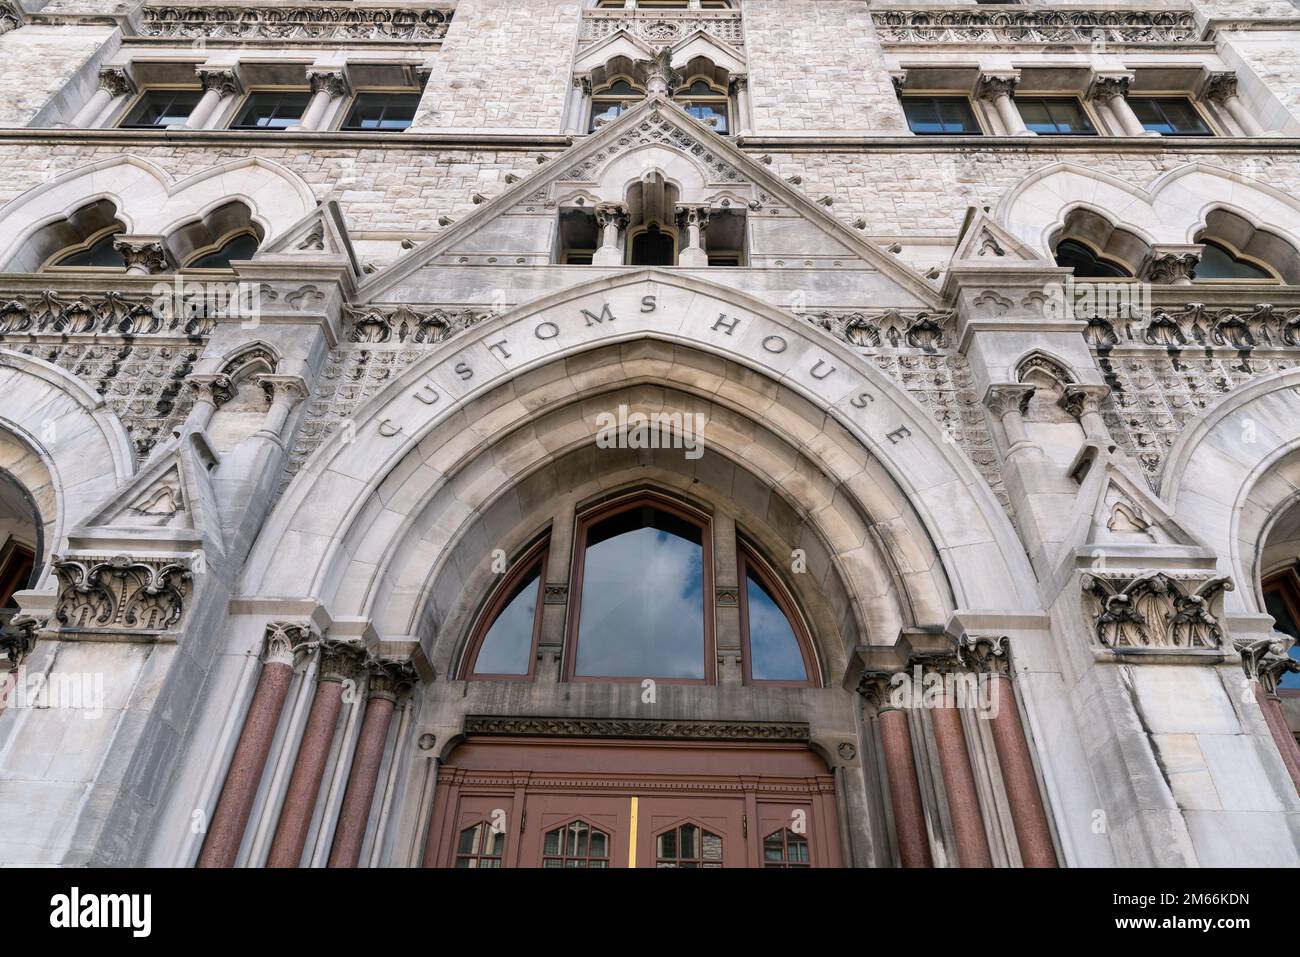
point(1169, 115)
point(160, 108)
point(1055, 116)
point(267, 110)
point(382, 111)
point(939, 115)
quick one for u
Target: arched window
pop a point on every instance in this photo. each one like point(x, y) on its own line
point(642, 604)
point(98, 254)
point(480, 846)
point(785, 848)
point(611, 101)
point(688, 845)
point(505, 645)
point(774, 652)
point(1218, 262)
point(706, 103)
point(1087, 263)
point(241, 246)
point(642, 571)
point(653, 246)
point(576, 844)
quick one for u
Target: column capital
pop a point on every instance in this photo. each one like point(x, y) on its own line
point(607, 213)
point(582, 83)
point(1273, 669)
point(340, 660)
point(217, 389)
point(290, 387)
point(1079, 399)
point(1173, 265)
point(1255, 652)
point(986, 654)
point(1107, 86)
point(899, 79)
point(390, 679)
point(333, 81)
point(691, 214)
point(1002, 398)
point(737, 82)
point(990, 86)
point(285, 641)
point(1220, 87)
point(877, 688)
point(143, 254)
point(116, 81)
point(221, 79)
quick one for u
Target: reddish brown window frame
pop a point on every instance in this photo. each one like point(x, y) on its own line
point(533, 557)
point(603, 511)
point(785, 863)
point(747, 558)
point(564, 857)
point(17, 568)
point(1287, 584)
point(480, 855)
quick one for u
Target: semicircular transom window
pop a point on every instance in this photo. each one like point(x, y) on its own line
point(644, 571)
point(1218, 262)
point(1087, 264)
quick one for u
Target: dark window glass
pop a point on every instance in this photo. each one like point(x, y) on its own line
point(642, 611)
point(774, 652)
point(1168, 116)
point(785, 848)
point(654, 247)
point(688, 846)
point(509, 642)
point(480, 846)
point(382, 111)
point(241, 247)
point(1055, 116)
point(1085, 263)
point(936, 115)
point(101, 253)
point(578, 259)
point(271, 111)
point(575, 845)
point(712, 115)
point(1276, 604)
point(162, 108)
point(1218, 263)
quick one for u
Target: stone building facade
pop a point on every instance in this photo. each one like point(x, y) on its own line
point(565, 433)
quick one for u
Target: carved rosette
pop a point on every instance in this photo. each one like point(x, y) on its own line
point(1153, 610)
point(390, 679)
point(986, 654)
point(340, 661)
point(121, 594)
point(284, 641)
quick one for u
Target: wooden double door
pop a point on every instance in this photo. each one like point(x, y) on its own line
point(598, 805)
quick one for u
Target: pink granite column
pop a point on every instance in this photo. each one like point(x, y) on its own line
point(900, 768)
point(387, 680)
point(959, 786)
point(226, 830)
point(1033, 833)
point(1282, 737)
point(338, 664)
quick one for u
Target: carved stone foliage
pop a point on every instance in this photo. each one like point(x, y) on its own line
point(889, 329)
point(110, 313)
point(1038, 25)
point(121, 593)
point(662, 26)
point(1197, 326)
point(794, 731)
point(316, 22)
point(1153, 610)
point(655, 128)
point(404, 324)
point(11, 17)
point(142, 384)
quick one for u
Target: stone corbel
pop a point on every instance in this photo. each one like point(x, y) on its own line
point(144, 255)
point(1173, 264)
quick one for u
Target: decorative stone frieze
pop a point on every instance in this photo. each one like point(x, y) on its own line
point(121, 594)
point(1153, 610)
point(662, 26)
point(102, 314)
point(888, 329)
point(400, 324)
point(687, 730)
point(1035, 25)
point(325, 21)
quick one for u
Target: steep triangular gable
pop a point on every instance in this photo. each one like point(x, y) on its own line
point(985, 243)
point(655, 121)
point(321, 233)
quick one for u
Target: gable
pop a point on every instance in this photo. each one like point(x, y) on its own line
point(784, 229)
